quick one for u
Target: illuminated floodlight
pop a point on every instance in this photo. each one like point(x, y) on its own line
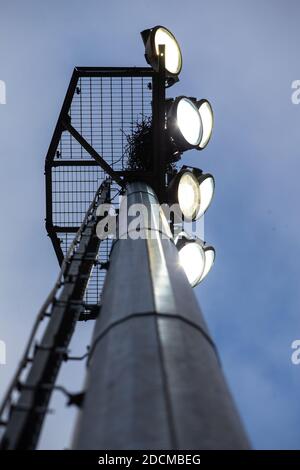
point(184, 194)
point(159, 35)
point(210, 255)
point(195, 257)
point(184, 123)
point(207, 118)
point(190, 192)
point(207, 188)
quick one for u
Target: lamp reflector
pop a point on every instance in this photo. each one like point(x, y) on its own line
point(195, 257)
point(192, 260)
point(189, 121)
point(210, 254)
point(173, 58)
point(207, 189)
point(188, 194)
point(207, 118)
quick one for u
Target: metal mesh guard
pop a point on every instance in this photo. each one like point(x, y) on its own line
point(104, 109)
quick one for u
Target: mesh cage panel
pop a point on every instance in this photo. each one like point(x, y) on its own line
point(104, 110)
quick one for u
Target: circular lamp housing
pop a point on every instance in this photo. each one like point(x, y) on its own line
point(184, 123)
point(184, 193)
point(210, 256)
point(191, 191)
point(195, 257)
point(159, 35)
point(207, 118)
point(206, 183)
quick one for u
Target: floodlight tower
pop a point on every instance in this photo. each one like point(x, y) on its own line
point(154, 379)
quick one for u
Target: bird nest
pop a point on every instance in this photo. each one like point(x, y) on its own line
point(138, 151)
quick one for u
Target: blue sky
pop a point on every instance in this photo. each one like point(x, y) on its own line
point(241, 55)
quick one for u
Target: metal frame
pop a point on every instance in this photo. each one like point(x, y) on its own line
point(63, 123)
point(159, 153)
point(48, 165)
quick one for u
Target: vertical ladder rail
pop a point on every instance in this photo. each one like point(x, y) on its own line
point(27, 415)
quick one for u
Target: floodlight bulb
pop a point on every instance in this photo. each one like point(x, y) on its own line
point(188, 195)
point(192, 260)
point(173, 58)
point(189, 121)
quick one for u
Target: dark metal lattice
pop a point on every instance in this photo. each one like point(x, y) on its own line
point(104, 106)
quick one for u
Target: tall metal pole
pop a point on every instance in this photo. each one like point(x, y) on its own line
point(154, 380)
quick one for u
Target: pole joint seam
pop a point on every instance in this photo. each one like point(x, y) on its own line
point(154, 314)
